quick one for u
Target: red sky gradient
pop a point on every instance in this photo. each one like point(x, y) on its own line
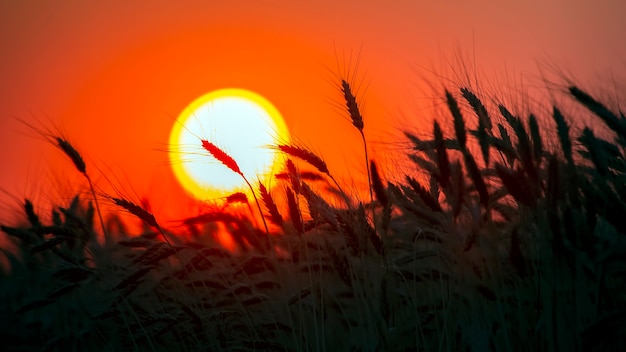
point(113, 75)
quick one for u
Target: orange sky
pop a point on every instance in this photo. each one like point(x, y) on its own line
point(113, 75)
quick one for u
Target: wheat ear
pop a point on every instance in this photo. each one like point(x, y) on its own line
point(80, 165)
point(357, 120)
point(314, 161)
point(230, 163)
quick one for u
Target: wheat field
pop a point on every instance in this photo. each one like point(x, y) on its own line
point(515, 242)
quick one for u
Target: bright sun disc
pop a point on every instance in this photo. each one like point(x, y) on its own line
point(241, 123)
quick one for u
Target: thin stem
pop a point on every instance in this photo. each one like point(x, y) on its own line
point(369, 185)
point(367, 166)
point(343, 194)
point(95, 199)
point(256, 200)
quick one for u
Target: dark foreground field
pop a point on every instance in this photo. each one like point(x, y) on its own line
point(509, 236)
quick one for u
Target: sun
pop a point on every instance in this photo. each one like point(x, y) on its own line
point(238, 121)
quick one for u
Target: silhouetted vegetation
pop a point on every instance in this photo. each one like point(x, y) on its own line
point(513, 244)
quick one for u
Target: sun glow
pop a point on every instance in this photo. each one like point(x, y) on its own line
point(238, 121)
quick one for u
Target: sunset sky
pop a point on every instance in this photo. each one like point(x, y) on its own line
point(112, 76)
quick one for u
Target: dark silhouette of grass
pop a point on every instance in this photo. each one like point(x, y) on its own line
point(522, 251)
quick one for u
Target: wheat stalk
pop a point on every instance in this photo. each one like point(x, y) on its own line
point(377, 185)
point(459, 123)
point(351, 105)
point(484, 122)
point(138, 211)
point(294, 211)
point(306, 156)
point(563, 132)
point(294, 176)
point(610, 119)
point(479, 182)
point(230, 163)
point(443, 164)
point(478, 107)
point(237, 197)
point(319, 209)
point(535, 137)
point(221, 156)
point(314, 161)
point(145, 216)
point(80, 165)
point(357, 121)
point(304, 175)
point(424, 195)
point(275, 217)
point(73, 154)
